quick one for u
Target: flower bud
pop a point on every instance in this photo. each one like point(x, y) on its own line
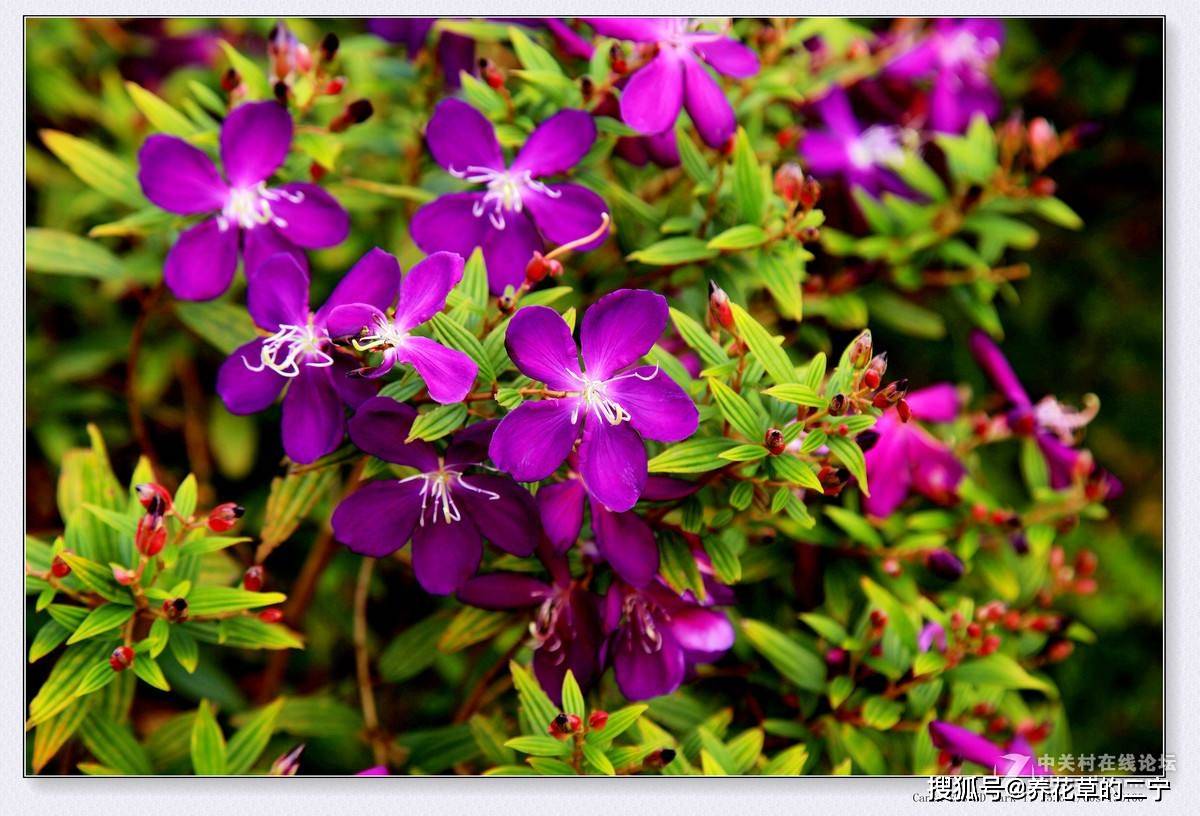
point(1085, 563)
point(154, 497)
point(860, 350)
point(1059, 650)
point(539, 267)
point(507, 302)
point(59, 568)
point(720, 313)
point(903, 411)
point(491, 74)
point(1019, 543)
point(355, 113)
point(335, 86)
point(810, 193)
point(289, 763)
point(616, 59)
point(121, 658)
point(870, 379)
point(224, 516)
point(272, 615)
point(329, 47)
point(990, 644)
point(775, 441)
point(891, 567)
point(789, 182)
point(176, 609)
point(230, 80)
point(122, 576)
point(809, 235)
point(252, 579)
point(837, 405)
point(597, 720)
point(879, 618)
point(1043, 187)
point(151, 535)
point(944, 564)
point(866, 440)
point(836, 658)
point(891, 394)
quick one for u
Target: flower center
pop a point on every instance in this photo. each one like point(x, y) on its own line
point(504, 191)
point(874, 146)
point(250, 207)
point(385, 334)
point(544, 627)
point(643, 630)
point(964, 50)
point(286, 349)
point(593, 396)
point(1062, 420)
point(437, 497)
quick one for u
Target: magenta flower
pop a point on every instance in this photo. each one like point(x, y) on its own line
point(676, 78)
point(613, 405)
point(1052, 424)
point(251, 218)
point(846, 148)
point(443, 508)
point(932, 634)
point(906, 457)
point(968, 746)
point(517, 211)
point(566, 628)
point(298, 353)
point(956, 55)
point(448, 373)
point(656, 636)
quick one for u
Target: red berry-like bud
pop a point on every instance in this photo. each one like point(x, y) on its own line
point(810, 193)
point(719, 310)
point(151, 535)
point(998, 725)
point(224, 516)
point(870, 378)
point(1012, 620)
point(230, 80)
point(1059, 651)
point(879, 618)
point(973, 630)
point(1043, 187)
point(121, 658)
point(539, 267)
point(982, 709)
point(335, 86)
point(272, 615)
point(891, 567)
point(154, 497)
point(990, 644)
point(775, 441)
point(252, 579)
point(122, 576)
point(59, 568)
point(597, 720)
point(903, 410)
point(727, 147)
point(789, 182)
point(491, 74)
point(1085, 563)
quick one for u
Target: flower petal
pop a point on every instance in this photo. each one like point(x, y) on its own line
point(378, 518)
point(201, 264)
point(380, 426)
point(312, 218)
point(314, 420)
point(244, 391)
point(612, 462)
point(503, 511)
point(445, 555)
point(260, 243)
point(178, 177)
point(540, 344)
point(824, 153)
point(627, 544)
point(449, 224)
point(994, 364)
point(557, 144)
point(352, 389)
point(460, 137)
point(350, 319)
point(834, 109)
point(619, 328)
point(937, 403)
point(470, 445)
point(569, 213)
point(278, 294)
point(658, 407)
point(372, 281)
point(503, 590)
point(728, 56)
point(508, 251)
point(448, 373)
point(636, 29)
point(456, 54)
point(965, 744)
point(534, 439)
point(424, 289)
point(652, 98)
point(936, 472)
point(707, 105)
point(887, 468)
point(642, 675)
point(254, 141)
point(560, 506)
point(704, 633)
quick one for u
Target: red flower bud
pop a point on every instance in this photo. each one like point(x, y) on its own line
point(870, 378)
point(151, 535)
point(810, 193)
point(879, 618)
point(990, 644)
point(597, 720)
point(59, 568)
point(1085, 563)
point(121, 658)
point(837, 405)
point(973, 630)
point(154, 497)
point(335, 86)
point(719, 310)
point(122, 576)
point(224, 516)
point(1043, 187)
point(860, 350)
point(775, 442)
point(539, 267)
point(1059, 650)
point(1012, 620)
point(789, 182)
point(176, 609)
point(272, 615)
point(230, 80)
point(903, 411)
point(252, 580)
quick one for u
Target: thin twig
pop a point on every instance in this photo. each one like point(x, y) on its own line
point(137, 422)
point(362, 662)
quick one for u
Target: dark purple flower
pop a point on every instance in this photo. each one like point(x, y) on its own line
point(180, 178)
point(613, 405)
point(1052, 424)
point(299, 354)
point(676, 78)
point(656, 636)
point(566, 628)
point(516, 212)
point(945, 565)
point(445, 509)
point(860, 155)
point(956, 54)
point(448, 373)
point(1017, 760)
point(455, 52)
point(906, 457)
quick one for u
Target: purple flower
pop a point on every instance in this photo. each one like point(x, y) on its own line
point(932, 634)
point(180, 178)
point(906, 457)
point(566, 628)
point(969, 746)
point(656, 636)
point(443, 508)
point(299, 354)
point(374, 770)
point(676, 78)
point(613, 405)
point(957, 55)
point(623, 539)
point(516, 211)
point(455, 52)
point(861, 155)
point(1052, 424)
point(448, 373)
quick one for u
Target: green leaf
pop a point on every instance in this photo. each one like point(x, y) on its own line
point(743, 236)
point(161, 115)
point(413, 650)
point(64, 253)
point(698, 339)
point(1057, 212)
point(185, 497)
point(744, 453)
point(863, 751)
point(597, 759)
point(290, 500)
point(472, 625)
point(749, 190)
point(784, 278)
point(547, 766)
point(217, 600)
point(101, 619)
point(674, 252)
point(851, 456)
point(48, 638)
point(789, 762)
point(693, 161)
point(905, 316)
point(797, 394)
point(736, 410)
point(881, 713)
point(538, 709)
point(918, 175)
point(763, 346)
point(114, 745)
point(618, 723)
point(532, 55)
point(998, 669)
point(184, 649)
point(245, 632)
point(96, 167)
point(148, 670)
point(96, 677)
point(438, 422)
point(678, 566)
point(538, 746)
point(224, 325)
point(208, 744)
point(697, 455)
point(490, 740)
point(791, 659)
point(797, 472)
point(723, 762)
point(455, 335)
point(572, 697)
point(745, 748)
point(724, 557)
point(249, 741)
point(854, 525)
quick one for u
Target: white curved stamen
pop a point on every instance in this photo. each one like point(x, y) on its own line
point(285, 350)
point(504, 190)
point(874, 146)
point(437, 498)
point(638, 614)
point(386, 334)
point(593, 396)
point(1063, 420)
point(249, 207)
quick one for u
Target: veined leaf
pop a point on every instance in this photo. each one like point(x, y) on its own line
point(64, 253)
point(208, 744)
point(792, 660)
point(101, 619)
point(217, 600)
point(698, 339)
point(850, 454)
point(96, 167)
point(697, 455)
point(249, 741)
point(773, 358)
point(674, 252)
point(438, 422)
point(164, 117)
point(736, 410)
